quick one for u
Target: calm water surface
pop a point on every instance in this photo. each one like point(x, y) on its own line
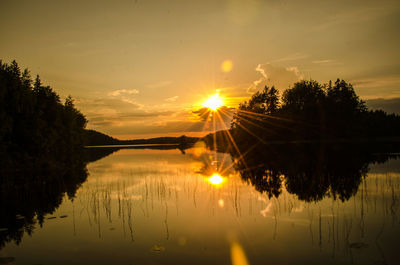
point(166, 207)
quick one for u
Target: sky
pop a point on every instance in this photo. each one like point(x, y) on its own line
point(139, 68)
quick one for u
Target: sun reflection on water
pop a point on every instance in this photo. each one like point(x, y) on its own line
point(216, 179)
point(221, 203)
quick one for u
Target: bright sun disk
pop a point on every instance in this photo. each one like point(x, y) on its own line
point(213, 102)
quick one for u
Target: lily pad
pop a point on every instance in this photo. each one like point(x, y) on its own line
point(158, 248)
point(358, 245)
point(6, 260)
point(19, 217)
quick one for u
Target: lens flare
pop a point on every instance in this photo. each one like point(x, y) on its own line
point(214, 102)
point(226, 66)
point(238, 256)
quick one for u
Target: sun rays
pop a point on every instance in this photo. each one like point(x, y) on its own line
point(216, 116)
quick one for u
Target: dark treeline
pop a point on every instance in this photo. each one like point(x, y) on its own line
point(310, 111)
point(182, 140)
point(93, 138)
point(36, 126)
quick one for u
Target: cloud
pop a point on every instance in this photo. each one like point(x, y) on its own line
point(292, 57)
point(105, 111)
point(322, 61)
point(389, 105)
point(280, 77)
point(260, 69)
point(120, 92)
point(117, 117)
point(376, 81)
point(223, 113)
point(125, 95)
point(377, 87)
point(172, 99)
point(296, 71)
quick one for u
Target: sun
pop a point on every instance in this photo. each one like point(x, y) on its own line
point(214, 102)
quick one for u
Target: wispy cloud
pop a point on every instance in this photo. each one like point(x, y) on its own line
point(389, 105)
point(172, 99)
point(377, 82)
point(120, 92)
point(322, 61)
point(295, 70)
point(377, 87)
point(291, 57)
point(261, 70)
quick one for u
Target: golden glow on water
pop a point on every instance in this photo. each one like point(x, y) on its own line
point(238, 256)
point(216, 179)
point(221, 203)
point(148, 198)
point(213, 102)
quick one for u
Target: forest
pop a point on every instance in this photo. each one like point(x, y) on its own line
point(36, 127)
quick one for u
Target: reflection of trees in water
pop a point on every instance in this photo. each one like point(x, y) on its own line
point(341, 228)
point(29, 193)
point(121, 205)
point(311, 171)
point(337, 227)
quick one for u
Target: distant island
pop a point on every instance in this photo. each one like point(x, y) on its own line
point(95, 138)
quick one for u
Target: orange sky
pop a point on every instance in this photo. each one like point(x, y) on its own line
point(138, 68)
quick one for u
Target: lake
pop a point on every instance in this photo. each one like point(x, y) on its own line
point(196, 206)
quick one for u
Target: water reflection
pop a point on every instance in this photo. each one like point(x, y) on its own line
point(158, 206)
point(216, 179)
point(237, 255)
point(311, 171)
point(29, 194)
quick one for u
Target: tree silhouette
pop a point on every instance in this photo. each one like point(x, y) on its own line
point(310, 111)
point(35, 125)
